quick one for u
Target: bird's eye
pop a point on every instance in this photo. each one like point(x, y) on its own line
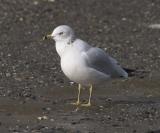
point(60, 33)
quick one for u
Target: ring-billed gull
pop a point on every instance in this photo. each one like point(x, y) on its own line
point(82, 63)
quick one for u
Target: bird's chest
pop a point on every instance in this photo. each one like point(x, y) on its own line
point(71, 64)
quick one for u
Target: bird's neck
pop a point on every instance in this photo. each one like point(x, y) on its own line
point(62, 45)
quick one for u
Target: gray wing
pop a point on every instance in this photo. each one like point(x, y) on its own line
point(99, 60)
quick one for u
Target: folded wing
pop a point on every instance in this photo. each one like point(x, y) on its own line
point(99, 60)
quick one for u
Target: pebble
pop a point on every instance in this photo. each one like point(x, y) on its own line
point(35, 3)
point(20, 19)
point(51, 0)
point(124, 19)
point(42, 118)
point(8, 74)
point(9, 55)
point(52, 120)
point(71, 83)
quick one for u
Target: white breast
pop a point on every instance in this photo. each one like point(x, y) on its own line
point(72, 65)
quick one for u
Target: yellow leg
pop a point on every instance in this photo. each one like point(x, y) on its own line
point(79, 92)
point(89, 100)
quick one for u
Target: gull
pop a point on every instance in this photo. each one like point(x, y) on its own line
point(82, 63)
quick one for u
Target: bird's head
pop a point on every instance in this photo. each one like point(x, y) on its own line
point(61, 33)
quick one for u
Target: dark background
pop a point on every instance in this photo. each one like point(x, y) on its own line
point(32, 86)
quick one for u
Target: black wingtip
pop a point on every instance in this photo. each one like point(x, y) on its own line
point(135, 72)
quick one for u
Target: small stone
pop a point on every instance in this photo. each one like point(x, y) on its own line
point(52, 120)
point(71, 83)
point(42, 118)
point(45, 117)
point(9, 55)
point(51, 0)
point(109, 117)
point(47, 109)
point(101, 106)
point(35, 2)
point(105, 49)
point(20, 19)
point(8, 74)
point(124, 19)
